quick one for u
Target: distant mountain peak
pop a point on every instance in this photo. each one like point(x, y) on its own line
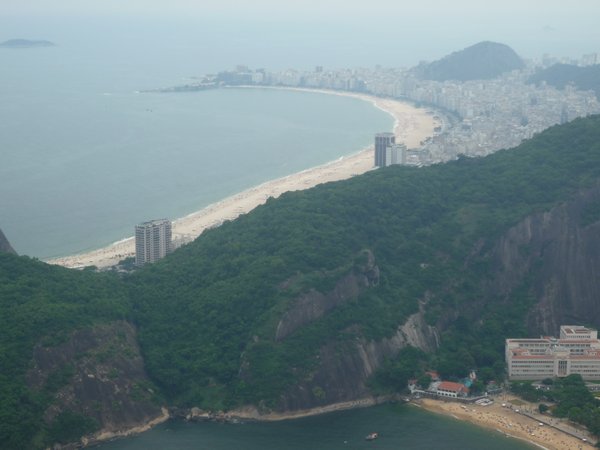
point(484, 60)
point(5, 246)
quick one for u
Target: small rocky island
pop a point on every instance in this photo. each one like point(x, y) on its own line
point(25, 43)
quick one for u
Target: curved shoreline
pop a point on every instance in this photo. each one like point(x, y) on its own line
point(411, 126)
point(494, 418)
point(507, 422)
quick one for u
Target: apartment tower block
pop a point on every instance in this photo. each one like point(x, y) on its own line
point(152, 241)
point(382, 142)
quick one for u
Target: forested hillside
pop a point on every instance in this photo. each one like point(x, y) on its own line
point(42, 305)
point(209, 314)
point(298, 302)
point(482, 61)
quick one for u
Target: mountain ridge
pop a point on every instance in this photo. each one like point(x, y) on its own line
point(481, 61)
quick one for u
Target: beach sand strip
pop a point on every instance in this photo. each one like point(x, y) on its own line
point(411, 125)
point(508, 422)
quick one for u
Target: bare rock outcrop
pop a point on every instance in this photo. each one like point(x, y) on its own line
point(313, 304)
point(98, 372)
point(5, 246)
point(345, 367)
point(558, 253)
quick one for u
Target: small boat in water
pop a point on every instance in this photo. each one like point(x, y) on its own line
point(372, 436)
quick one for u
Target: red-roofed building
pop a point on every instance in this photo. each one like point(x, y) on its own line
point(451, 389)
point(434, 375)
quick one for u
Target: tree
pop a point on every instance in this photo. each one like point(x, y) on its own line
point(424, 381)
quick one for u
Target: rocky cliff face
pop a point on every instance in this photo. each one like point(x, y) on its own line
point(312, 305)
point(5, 245)
point(558, 253)
point(555, 254)
point(97, 373)
point(346, 367)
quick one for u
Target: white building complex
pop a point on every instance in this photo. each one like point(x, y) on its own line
point(576, 351)
point(152, 241)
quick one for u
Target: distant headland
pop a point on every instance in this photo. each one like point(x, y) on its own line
point(26, 43)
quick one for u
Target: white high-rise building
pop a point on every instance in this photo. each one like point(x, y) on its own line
point(152, 241)
point(395, 154)
point(577, 350)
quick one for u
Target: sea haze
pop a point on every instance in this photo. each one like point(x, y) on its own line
point(85, 157)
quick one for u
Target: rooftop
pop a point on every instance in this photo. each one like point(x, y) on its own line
point(453, 387)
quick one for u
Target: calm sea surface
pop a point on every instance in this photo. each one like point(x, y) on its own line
point(84, 157)
point(399, 427)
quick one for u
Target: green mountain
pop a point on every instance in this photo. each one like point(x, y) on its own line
point(320, 296)
point(482, 61)
point(561, 75)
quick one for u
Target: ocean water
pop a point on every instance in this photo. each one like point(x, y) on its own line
point(84, 156)
point(399, 427)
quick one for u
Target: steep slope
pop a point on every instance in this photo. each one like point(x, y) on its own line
point(430, 233)
point(560, 251)
point(5, 245)
point(317, 297)
point(482, 61)
point(70, 364)
point(560, 75)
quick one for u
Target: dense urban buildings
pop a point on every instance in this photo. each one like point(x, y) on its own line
point(476, 117)
point(396, 154)
point(576, 351)
point(383, 141)
point(152, 241)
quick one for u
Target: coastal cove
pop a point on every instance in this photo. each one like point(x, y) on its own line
point(410, 124)
point(398, 425)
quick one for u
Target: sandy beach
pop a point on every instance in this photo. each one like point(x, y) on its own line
point(411, 126)
point(507, 421)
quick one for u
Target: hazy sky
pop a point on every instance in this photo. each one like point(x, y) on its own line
point(536, 10)
point(342, 32)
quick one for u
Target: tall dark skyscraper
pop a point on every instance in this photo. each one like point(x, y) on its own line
point(382, 142)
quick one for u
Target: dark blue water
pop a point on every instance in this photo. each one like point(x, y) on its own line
point(399, 427)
